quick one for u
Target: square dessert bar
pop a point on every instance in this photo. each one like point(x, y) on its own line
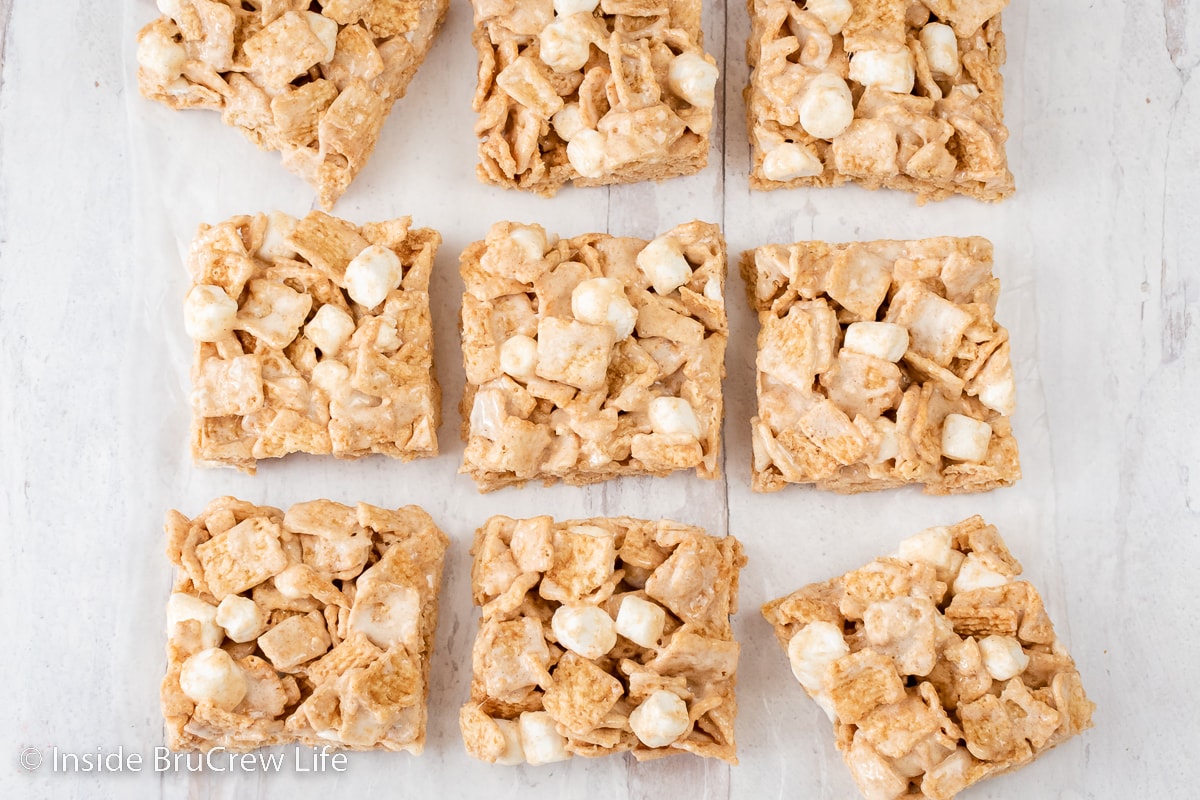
point(315, 626)
point(593, 357)
point(313, 81)
point(881, 364)
point(600, 636)
point(937, 666)
point(603, 92)
point(904, 94)
point(312, 336)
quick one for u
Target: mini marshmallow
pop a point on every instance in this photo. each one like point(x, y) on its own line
point(158, 54)
point(789, 161)
point(812, 649)
point(513, 754)
point(834, 13)
point(660, 719)
point(372, 274)
point(518, 357)
point(568, 121)
point(712, 289)
point(488, 413)
point(890, 71)
point(663, 262)
point(889, 446)
point(975, 574)
point(941, 49)
point(209, 314)
point(827, 107)
point(586, 153)
point(241, 618)
point(181, 607)
point(641, 621)
point(172, 8)
point(694, 79)
point(1003, 657)
point(326, 30)
point(565, 8)
point(965, 439)
point(291, 581)
point(884, 340)
point(531, 240)
point(584, 629)
point(330, 376)
point(931, 546)
point(387, 338)
point(329, 329)
point(671, 415)
point(1000, 395)
point(602, 301)
point(565, 44)
point(540, 739)
point(275, 244)
point(212, 677)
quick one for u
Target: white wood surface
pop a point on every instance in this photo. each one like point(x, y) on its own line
point(100, 190)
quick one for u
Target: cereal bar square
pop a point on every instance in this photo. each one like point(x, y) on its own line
point(593, 357)
point(937, 666)
point(881, 364)
point(885, 93)
point(314, 83)
point(592, 92)
point(312, 627)
point(311, 336)
point(601, 636)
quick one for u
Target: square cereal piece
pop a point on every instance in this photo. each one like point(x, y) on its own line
point(937, 666)
point(885, 93)
point(312, 627)
point(595, 93)
point(316, 85)
point(881, 364)
point(593, 357)
point(600, 636)
point(312, 336)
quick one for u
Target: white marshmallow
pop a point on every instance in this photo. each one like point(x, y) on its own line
point(891, 71)
point(329, 329)
point(565, 44)
point(331, 377)
point(660, 719)
point(275, 245)
point(372, 274)
point(941, 49)
point(568, 121)
point(513, 754)
point(641, 621)
point(964, 438)
point(694, 79)
point(158, 54)
point(602, 301)
point(671, 415)
point(540, 739)
point(241, 618)
point(584, 629)
point(211, 676)
point(183, 607)
point(326, 30)
point(884, 340)
point(531, 240)
point(1000, 395)
point(975, 574)
point(488, 413)
point(812, 649)
point(712, 289)
point(931, 546)
point(663, 262)
point(834, 13)
point(889, 446)
point(208, 313)
point(565, 8)
point(968, 89)
point(1003, 657)
point(586, 153)
point(789, 161)
point(827, 107)
point(518, 357)
point(172, 8)
point(387, 338)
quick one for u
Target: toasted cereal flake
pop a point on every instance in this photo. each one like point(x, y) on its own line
point(936, 689)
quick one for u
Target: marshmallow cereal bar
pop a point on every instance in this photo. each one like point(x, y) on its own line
point(315, 626)
point(881, 364)
point(602, 636)
point(311, 336)
point(903, 94)
point(937, 666)
point(593, 357)
point(603, 92)
point(313, 81)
